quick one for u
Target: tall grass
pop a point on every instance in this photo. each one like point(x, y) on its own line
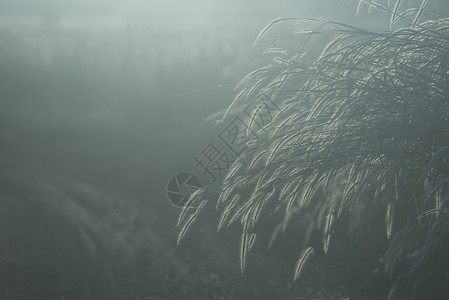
point(364, 119)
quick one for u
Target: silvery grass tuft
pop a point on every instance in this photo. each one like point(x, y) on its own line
point(364, 119)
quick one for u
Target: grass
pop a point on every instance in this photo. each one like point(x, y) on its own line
point(364, 120)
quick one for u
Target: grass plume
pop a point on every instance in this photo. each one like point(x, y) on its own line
point(305, 255)
point(367, 116)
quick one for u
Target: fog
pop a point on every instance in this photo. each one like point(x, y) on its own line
point(115, 92)
point(102, 102)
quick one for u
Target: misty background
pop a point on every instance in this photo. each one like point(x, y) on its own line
point(102, 102)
